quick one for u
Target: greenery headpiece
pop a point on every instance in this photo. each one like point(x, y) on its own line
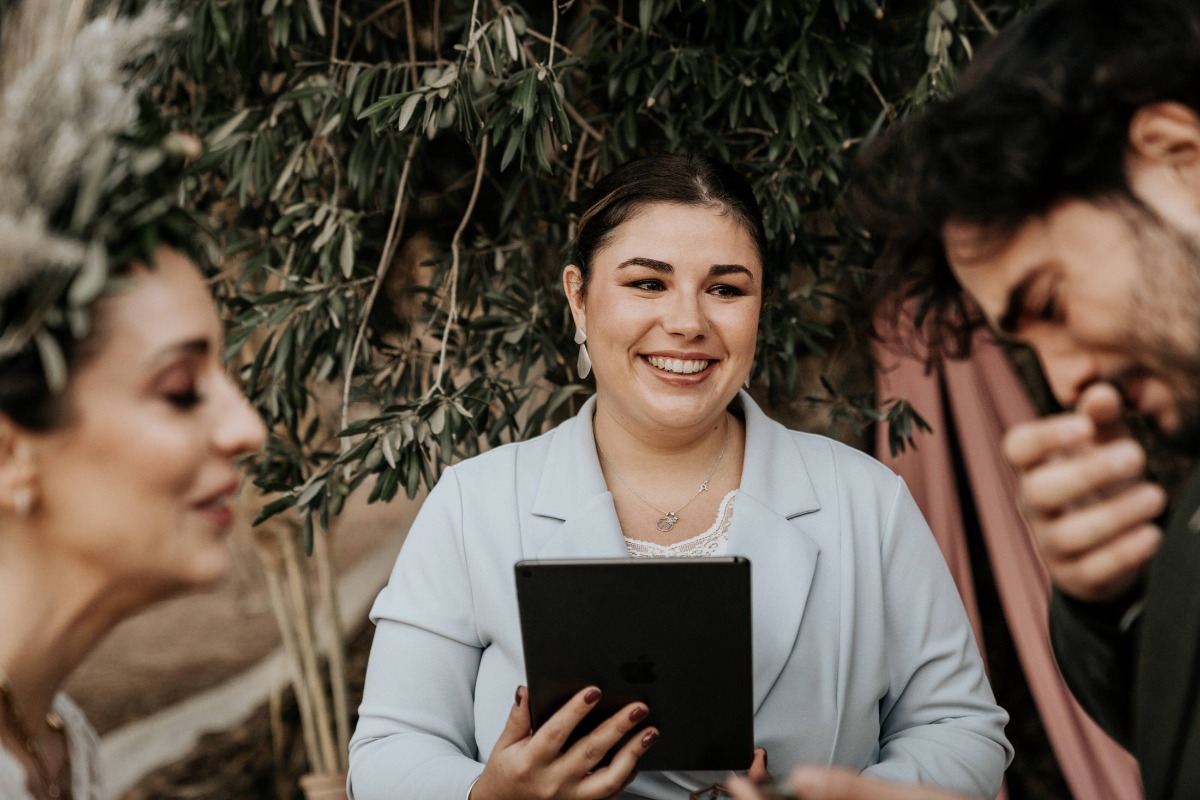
point(89, 175)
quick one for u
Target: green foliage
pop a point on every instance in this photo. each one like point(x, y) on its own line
point(396, 184)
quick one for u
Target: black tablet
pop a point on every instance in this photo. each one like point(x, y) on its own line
point(671, 632)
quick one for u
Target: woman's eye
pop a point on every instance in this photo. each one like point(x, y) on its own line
point(649, 285)
point(725, 290)
point(183, 398)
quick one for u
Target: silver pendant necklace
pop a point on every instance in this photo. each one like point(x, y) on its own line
point(669, 518)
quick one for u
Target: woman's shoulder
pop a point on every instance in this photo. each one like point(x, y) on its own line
point(823, 454)
point(844, 454)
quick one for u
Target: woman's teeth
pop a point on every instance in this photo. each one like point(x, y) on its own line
point(678, 366)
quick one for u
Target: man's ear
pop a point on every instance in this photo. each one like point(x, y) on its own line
point(18, 475)
point(573, 287)
point(1168, 132)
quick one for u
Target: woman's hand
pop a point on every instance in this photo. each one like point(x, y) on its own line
point(758, 767)
point(529, 766)
point(818, 783)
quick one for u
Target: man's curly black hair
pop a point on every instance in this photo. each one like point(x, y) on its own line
point(1041, 115)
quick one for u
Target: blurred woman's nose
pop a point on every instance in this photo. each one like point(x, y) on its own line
point(239, 429)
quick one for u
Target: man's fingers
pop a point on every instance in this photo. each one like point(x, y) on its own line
point(1030, 443)
point(1101, 402)
point(1108, 572)
point(1083, 530)
point(1081, 477)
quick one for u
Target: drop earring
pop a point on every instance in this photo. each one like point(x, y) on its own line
point(584, 364)
point(22, 501)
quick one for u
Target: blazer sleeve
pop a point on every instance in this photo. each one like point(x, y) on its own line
point(416, 729)
point(939, 722)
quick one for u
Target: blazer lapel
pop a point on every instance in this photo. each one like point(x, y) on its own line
point(572, 491)
point(775, 490)
point(782, 563)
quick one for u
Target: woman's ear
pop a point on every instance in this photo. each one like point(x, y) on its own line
point(18, 476)
point(573, 287)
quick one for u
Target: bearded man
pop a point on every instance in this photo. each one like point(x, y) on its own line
point(1059, 188)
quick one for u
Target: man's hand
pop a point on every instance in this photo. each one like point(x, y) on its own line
point(819, 783)
point(1083, 491)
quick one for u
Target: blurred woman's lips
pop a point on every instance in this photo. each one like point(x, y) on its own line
point(216, 506)
point(219, 514)
point(679, 366)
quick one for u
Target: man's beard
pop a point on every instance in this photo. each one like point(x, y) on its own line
point(1165, 315)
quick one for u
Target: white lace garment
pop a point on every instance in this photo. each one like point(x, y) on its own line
point(82, 747)
point(710, 543)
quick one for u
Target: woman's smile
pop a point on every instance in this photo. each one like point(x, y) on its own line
point(679, 366)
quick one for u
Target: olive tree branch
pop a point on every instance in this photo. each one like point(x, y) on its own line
point(385, 260)
point(455, 259)
point(553, 34)
point(987, 24)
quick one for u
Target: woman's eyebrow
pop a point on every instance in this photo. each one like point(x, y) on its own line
point(716, 270)
point(192, 348)
point(649, 263)
point(730, 269)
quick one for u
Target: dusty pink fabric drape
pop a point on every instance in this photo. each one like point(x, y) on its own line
point(985, 398)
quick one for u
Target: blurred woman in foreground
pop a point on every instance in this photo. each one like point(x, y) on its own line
point(119, 426)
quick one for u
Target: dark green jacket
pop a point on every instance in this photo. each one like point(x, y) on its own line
point(1142, 683)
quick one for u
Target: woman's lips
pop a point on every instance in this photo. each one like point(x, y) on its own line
point(217, 512)
point(217, 508)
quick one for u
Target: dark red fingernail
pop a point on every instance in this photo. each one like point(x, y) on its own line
point(517, 700)
point(638, 714)
point(592, 696)
point(650, 738)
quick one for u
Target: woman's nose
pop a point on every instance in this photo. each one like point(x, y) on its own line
point(239, 429)
point(685, 316)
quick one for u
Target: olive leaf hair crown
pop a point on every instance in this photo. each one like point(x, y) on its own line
point(89, 175)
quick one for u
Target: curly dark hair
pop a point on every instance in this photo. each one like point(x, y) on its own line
point(1042, 114)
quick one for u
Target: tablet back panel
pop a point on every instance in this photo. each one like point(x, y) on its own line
point(673, 633)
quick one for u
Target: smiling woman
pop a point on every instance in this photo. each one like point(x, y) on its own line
point(119, 426)
point(863, 657)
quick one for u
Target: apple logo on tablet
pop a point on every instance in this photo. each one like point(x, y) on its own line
point(640, 671)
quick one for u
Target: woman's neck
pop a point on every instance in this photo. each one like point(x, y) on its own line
point(619, 437)
point(51, 618)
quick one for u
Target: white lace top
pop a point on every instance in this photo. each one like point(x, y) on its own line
point(710, 543)
point(83, 748)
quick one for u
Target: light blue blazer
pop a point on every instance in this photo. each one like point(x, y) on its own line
point(863, 656)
